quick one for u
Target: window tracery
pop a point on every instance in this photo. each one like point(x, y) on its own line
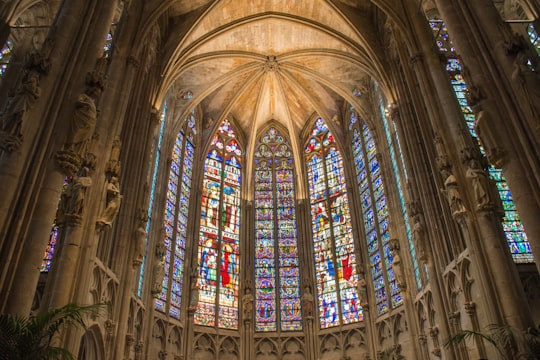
point(333, 244)
point(376, 219)
point(277, 273)
point(219, 233)
point(175, 219)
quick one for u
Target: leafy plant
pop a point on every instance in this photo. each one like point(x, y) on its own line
point(30, 338)
point(509, 342)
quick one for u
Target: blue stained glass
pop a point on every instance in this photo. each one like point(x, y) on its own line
point(5, 56)
point(375, 214)
point(175, 223)
point(219, 233)
point(277, 298)
point(153, 175)
point(336, 273)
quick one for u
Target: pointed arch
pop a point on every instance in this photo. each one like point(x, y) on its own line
point(219, 232)
point(176, 217)
point(334, 251)
point(376, 220)
point(277, 272)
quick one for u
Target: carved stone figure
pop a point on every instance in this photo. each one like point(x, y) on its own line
point(82, 126)
point(25, 97)
point(247, 304)
point(362, 293)
point(489, 137)
point(529, 82)
point(307, 302)
point(194, 294)
point(451, 190)
point(158, 275)
point(480, 184)
point(140, 245)
point(419, 237)
point(113, 203)
point(77, 195)
point(113, 166)
point(396, 263)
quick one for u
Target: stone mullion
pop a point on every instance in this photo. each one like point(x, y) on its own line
point(305, 252)
point(67, 30)
point(246, 326)
point(307, 272)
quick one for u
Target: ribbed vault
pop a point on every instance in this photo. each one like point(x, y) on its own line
point(270, 59)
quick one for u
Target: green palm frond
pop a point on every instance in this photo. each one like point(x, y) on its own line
point(30, 338)
point(511, 343)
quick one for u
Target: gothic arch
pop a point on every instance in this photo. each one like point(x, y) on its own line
point(92, 345)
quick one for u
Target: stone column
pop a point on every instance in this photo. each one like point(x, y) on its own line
point(53, 112)
point(310, 304)
point(497, 119)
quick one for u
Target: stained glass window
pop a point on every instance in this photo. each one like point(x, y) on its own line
point(153, 175)
point(277, 273)
point(5, 56)
point(175, 218)
point(513, 228)
point(219, 235)
point(333, 244)
point(533, 37)
point(107, 48)
point(392, 139)
point(375, 215)
point(56, 229)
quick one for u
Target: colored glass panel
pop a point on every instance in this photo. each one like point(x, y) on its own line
point(533, 37)
point(219, 234)
point(55, 231)
point(5, 56)
point(400, 184)
point(335, 259)
point(513, 228)
point(375, 215)
point(153, 175)
point(277, 274)
point(175, 221)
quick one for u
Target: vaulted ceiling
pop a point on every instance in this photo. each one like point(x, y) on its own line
point(259, 60)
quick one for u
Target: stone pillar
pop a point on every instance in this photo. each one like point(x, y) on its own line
point(52, 116)
point(517, 115)
point(309, 293)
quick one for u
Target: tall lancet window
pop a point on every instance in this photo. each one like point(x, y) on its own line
point(333, 244)
point(277, 273)
point(219, 235)
point(175, 219)
point(375, 214)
